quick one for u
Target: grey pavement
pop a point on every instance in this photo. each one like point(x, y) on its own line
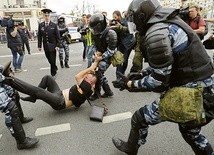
point(70, 132)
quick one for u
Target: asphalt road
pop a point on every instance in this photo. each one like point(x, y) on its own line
point(70, 132)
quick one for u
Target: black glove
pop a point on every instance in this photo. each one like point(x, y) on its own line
point(122, 83)
point(135, 76)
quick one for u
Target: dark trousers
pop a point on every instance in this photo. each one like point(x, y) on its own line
point(52, 96)
point(122, 68)
point(26, 43)
point(84, 41)
point(51, 56)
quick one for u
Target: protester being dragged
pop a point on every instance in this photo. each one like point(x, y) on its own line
point(49, 91)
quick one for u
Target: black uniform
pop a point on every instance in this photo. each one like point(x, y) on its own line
point(49, 35)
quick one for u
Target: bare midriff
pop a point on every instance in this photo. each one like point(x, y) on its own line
point(68, 103)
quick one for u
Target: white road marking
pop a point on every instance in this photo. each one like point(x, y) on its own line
point(75, 65)
point(117, 117)
point(53, 129)
point(6, 56)
point(44, 68)
point(39, 53)
point(0, 136)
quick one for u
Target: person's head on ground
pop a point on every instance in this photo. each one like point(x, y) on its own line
point(91, 78)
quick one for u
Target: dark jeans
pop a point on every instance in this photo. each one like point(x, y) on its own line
point(26, 43)
point(17, 58)
point(84, 41)
point(52, 96)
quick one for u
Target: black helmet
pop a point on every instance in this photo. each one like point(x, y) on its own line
point(140, 11)
point(97, 24)
point(61, 19)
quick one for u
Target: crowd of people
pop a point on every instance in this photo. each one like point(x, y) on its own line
point(170, 45)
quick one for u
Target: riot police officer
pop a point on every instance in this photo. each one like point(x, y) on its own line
point(177, 58)
point(64, 46)
point(105, 40)
point(48, 34)
point(10, 105)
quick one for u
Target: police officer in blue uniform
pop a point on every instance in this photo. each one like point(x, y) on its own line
point(14, 117)
point(48, 33)
point(64, 46)
point(176, 58)
point(105, 40)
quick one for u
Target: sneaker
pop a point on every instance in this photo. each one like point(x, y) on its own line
point(18, 70)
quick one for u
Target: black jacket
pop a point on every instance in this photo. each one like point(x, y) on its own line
point(48, 35)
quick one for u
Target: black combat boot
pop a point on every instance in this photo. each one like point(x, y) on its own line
point(22, 141)
point(61, 64)
point(130, 147)
point(27, 143)
point(66, 65)
point(23, 119)
point(107, 91)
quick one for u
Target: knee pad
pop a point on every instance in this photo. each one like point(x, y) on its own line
point(13, 109)
point(11, 114)
point(16, 96)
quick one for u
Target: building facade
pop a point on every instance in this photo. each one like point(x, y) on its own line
point(28, 11)
point(207, 5)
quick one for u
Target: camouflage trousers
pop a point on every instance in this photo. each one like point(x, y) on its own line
point(191, 135)
point(64, 50)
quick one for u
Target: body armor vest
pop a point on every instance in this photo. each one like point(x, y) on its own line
point(192, 64)
point(62, 29)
